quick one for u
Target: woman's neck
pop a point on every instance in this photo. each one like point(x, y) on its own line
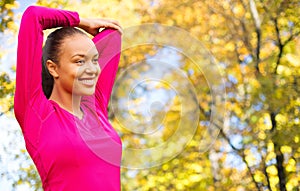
point(67, 101)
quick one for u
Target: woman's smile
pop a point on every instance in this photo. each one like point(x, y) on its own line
point(90, 82)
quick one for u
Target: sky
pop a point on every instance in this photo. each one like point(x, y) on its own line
point(10, 131)
point(9, 41)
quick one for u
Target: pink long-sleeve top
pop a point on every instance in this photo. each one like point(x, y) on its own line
point(70, 153)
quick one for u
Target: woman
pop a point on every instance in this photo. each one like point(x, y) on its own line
point(63, 112)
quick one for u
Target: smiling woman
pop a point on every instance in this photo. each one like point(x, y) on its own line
point(63, 112)
point(70, 61)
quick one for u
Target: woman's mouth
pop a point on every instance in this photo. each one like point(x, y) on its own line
point(87, 81)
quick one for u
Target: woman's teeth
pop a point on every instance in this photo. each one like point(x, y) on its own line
point(87, 82)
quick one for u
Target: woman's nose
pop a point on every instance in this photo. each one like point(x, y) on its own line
point(92, 68)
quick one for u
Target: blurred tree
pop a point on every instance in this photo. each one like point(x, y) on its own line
point(7, 14)
point(6, 85)
point(262, 37)
point(256, 42)
point(7, 88)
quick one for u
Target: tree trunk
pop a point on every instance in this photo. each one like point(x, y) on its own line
point(280, 168)
point(279, 157)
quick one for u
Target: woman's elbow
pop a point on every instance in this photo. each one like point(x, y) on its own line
point(31, 12)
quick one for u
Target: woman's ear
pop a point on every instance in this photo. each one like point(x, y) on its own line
point(52, 68)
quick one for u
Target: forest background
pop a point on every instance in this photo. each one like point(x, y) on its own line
point(252, 143)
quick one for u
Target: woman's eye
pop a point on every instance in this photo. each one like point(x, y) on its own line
point(95, 60)
point(81, 62)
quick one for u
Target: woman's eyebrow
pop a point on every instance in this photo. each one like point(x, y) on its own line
point(84, 55)
point(81, 55)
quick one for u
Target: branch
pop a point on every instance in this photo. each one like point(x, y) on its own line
point(243, 25)
point(265, 8)
point(279, 156)
point(266, 174)
point(240, 152)
point(280, 168)
point(257, 23)
point(237, 53)
point(232, 26)
point(280, 45)
point(292, 37)
point(245, 36)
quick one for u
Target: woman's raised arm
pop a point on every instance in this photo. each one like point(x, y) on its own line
point(35, 19)
point(108, 44)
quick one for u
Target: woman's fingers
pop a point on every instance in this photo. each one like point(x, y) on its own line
point(114, 26)
point(116, 23)
point(92, 26)
point(108, 23)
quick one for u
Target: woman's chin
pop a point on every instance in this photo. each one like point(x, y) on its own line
point(88, 92)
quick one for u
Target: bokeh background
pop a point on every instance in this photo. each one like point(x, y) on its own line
point(256, 44)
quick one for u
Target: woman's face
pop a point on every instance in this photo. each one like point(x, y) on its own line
point(78, 66)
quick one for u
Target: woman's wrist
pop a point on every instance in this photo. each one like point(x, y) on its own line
point(83, 23)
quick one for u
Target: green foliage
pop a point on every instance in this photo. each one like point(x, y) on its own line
point(53, 4)
point(7, 14)
point(7, 88)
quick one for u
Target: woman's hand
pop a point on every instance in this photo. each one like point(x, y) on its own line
point(92, 26)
